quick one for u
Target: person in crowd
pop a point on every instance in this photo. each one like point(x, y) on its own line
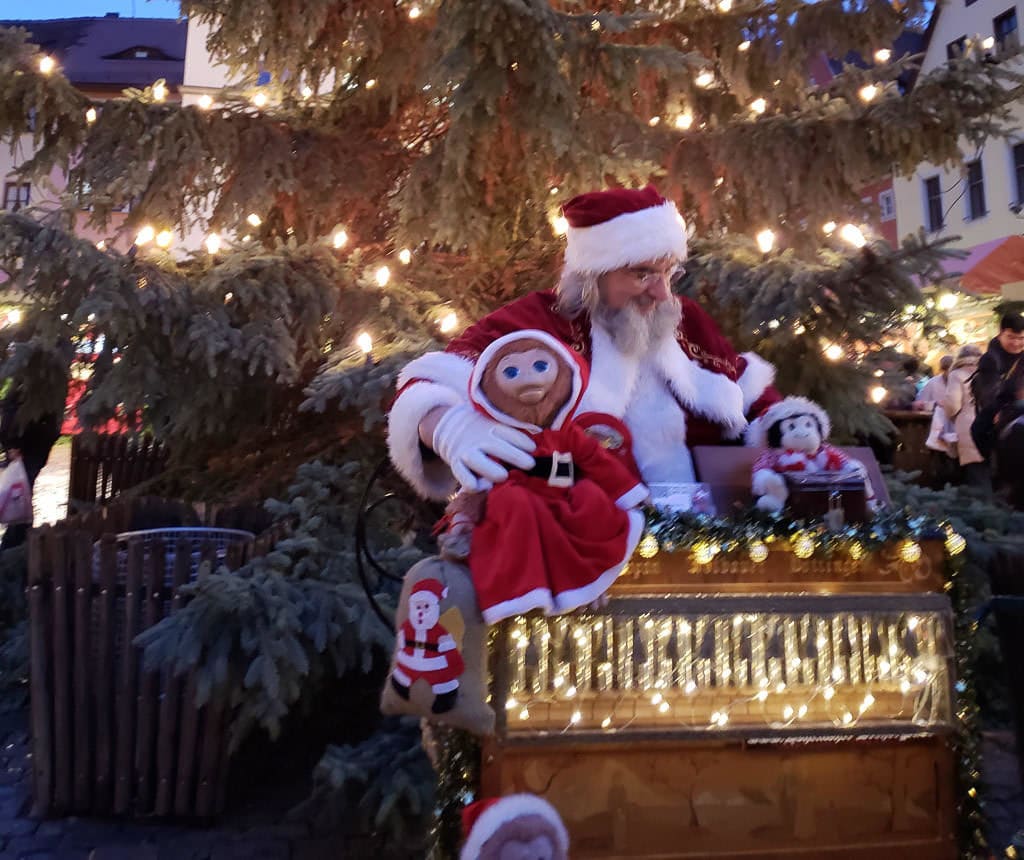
point(959, 405)
point(941, 441)
point(999, 376)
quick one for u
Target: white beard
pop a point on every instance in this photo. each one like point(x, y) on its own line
point(634, 332)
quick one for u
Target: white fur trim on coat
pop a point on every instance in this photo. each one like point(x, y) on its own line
point(626, 240)
point(506, 809)
point(757, 376)
point(757, 432)
point(613, 380)
point(443, 381)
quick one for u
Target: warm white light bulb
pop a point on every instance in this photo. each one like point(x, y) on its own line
point(370, 84)
point(833, 352)
point(259, 99)
point(205, 101)
point(365, 342)
point(560, 225)
point(307, 92)
point(415, 12)
point(828, 693)
point(164, 238)
point(339, 239)
point(759, 106)
point(47, 64)
point(828, 228)
point(882, 55)
point(576, 717)
point(878, 393)
point(606, 722)
point(90, 115)
point(705, 79)
point(867, 92)
point(852, 235)
point(524, 714)
point(988, 43)
point(947, 301)
point(663, 708)
point(382, 276)
point(254, 219)
point(744, 45)
point(14, 316)
point(101, 245)
point(765, 240)
point(449, 322)
point(684, 120)
point(212, 243)
point(653, 121)
point(724, 5)
point(159, 92)
point(787, 712)
point(145, 235)
point(405, 256)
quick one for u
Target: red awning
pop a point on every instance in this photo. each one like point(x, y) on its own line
point(991, 265)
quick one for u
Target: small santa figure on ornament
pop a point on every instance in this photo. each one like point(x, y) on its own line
point(553, 537)
point(426, 650)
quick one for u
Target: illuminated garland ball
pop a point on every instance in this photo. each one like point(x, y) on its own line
point(856, 550)
point(803, 545)
point(758, 551)
point(704, 552)
point(648, 546)
point(910, 551)
point(955, 544)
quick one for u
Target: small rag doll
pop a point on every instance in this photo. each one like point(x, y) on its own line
point(553, 538)
point(515, 827)
point(794, 432)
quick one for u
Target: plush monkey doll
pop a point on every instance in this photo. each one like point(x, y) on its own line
point(553, 538)
point(794, 431)
point(515, 827)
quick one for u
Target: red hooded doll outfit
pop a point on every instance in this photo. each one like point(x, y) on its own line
point(556, 537)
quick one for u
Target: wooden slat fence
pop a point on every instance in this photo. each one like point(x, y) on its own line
point(107, 736)
point(104, 466)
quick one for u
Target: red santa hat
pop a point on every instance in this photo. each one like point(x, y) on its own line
point(621, 227)
point(481, 820)
point(431, 586)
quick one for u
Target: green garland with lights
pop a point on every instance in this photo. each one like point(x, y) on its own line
point(752, 532)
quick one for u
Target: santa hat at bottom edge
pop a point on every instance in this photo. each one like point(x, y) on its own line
point(481, 820)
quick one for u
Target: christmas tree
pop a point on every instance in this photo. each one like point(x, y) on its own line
point(381, 174)
point(401, 173)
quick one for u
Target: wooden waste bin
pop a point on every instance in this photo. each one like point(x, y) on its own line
point(107, 736)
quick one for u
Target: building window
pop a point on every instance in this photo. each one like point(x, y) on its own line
point(933, 203)
point(955, 49)
point(1018, 169)
point(887, 205)
point(975, 190)
point(16, 195)
point(1004, 28)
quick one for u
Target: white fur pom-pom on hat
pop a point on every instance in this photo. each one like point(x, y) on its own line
point(757, 431)
point(485, 818)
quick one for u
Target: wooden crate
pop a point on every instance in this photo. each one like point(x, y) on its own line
point(861, 799)
point(108, 737)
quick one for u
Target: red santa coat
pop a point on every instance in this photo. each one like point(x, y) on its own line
point(691, 390)
point(430, 654)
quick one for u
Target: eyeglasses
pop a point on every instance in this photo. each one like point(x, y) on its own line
point(646, 277)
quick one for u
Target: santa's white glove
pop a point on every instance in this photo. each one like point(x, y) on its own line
point(472, 444)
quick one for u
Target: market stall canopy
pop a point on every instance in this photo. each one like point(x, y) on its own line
point(991, 266)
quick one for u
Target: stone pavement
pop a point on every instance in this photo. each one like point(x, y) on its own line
point(241, 836)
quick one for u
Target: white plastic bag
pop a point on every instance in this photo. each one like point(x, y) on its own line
point(15, 494)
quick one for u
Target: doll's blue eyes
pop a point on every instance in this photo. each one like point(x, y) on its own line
point(540, 366)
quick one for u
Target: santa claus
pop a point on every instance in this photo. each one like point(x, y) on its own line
point(662, 376)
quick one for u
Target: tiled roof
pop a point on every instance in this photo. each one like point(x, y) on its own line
point(83, 47)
